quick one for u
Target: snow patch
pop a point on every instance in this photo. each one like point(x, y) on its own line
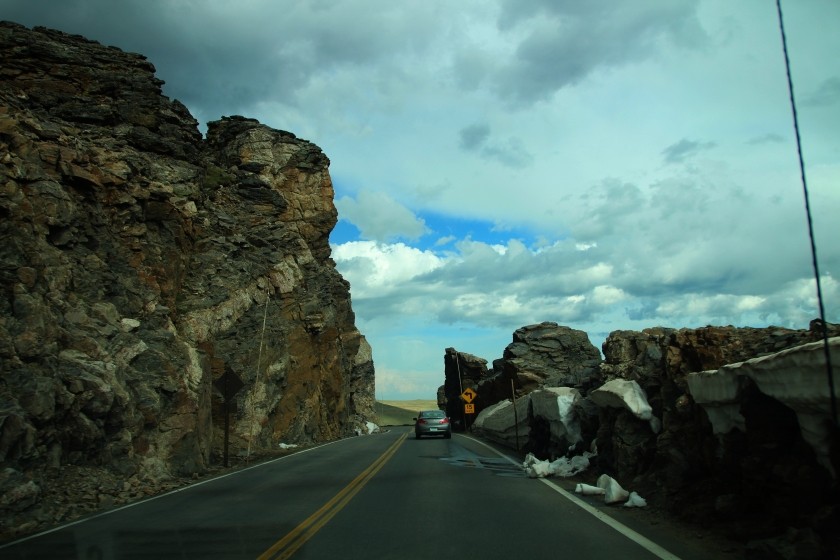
point(635, 501)
point(795, 377)
point(606, 486)
point(589, 490)
point(626, 393)
point(613, 492)
point(563, 467)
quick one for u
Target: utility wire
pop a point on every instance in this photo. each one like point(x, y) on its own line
point(810, 220)
point(257, 377)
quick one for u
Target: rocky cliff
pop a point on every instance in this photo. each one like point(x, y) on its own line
point(720, 426)
point(142, 265)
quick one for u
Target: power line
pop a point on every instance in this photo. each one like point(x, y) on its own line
point(810, 220)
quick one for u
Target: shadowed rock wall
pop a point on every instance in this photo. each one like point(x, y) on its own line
point(139, 263)
point(721, 426)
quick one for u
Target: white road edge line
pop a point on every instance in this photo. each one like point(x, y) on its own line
point(641, 540)
point(175, 491)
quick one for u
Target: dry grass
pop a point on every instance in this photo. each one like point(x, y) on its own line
point(401, 413)
point(415, 405)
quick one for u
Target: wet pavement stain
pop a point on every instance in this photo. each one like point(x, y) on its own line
point(498, 466)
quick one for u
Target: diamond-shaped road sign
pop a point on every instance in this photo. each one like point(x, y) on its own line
point(468, 395)
point(229, 384)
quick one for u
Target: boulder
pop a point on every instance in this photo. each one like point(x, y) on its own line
point(552, 422)
point(548, 354)
point(461, 371)
point(504, 423)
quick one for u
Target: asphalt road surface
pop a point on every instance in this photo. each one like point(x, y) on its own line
point(380, 497)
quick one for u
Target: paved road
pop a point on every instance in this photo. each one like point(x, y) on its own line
point(374, 497)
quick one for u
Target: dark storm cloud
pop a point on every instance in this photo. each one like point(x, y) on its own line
point(204, 60)
point(220, 58)
point(566, 41)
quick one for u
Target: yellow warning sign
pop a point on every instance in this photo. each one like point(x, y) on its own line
point(469, 409)
point(468, 395)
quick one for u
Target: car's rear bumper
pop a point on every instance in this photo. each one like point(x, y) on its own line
point(430, 432)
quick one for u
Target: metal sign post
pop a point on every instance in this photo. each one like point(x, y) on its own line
point(228, 385)
point(468, 396)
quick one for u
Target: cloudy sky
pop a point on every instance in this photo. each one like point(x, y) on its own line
point(603, 164)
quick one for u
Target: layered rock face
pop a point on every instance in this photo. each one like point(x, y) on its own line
point(549, 354)
point(545, 354)
point(541, 355)
point(461, 371)
point(141, 263)
point(722, 426)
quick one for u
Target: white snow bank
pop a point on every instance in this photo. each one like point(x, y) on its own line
point(502, 424)
point(635, 501)
point(626, 393)
point(287, 445)
point(557, 406)
point(795, 377)
point(613, 492)
point(606, 486)
point(369, 428)
point(589, 490)
point(563, 466)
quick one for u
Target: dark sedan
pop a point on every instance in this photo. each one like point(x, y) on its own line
point(432, 423)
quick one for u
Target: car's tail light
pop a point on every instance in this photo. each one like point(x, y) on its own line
point(421, 421)
point(445, 421)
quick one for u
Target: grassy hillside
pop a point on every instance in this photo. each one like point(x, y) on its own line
point(401, 413)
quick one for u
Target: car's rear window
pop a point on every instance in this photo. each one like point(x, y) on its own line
point(433, 414)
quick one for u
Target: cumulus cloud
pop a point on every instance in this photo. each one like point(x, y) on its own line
point(378, 269)
point(635, 254)
point(379, 217)
point(480, 284)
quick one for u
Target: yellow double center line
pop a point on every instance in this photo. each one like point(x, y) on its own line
point(288, 545)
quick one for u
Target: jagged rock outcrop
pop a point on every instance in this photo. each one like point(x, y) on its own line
point(753, 484)
point(659, 360)
point(541, 355)
point(747, 447)
point(461, 371)
point(550, 355)
point(139, 263)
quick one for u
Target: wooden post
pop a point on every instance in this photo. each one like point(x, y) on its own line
point(515, 413)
